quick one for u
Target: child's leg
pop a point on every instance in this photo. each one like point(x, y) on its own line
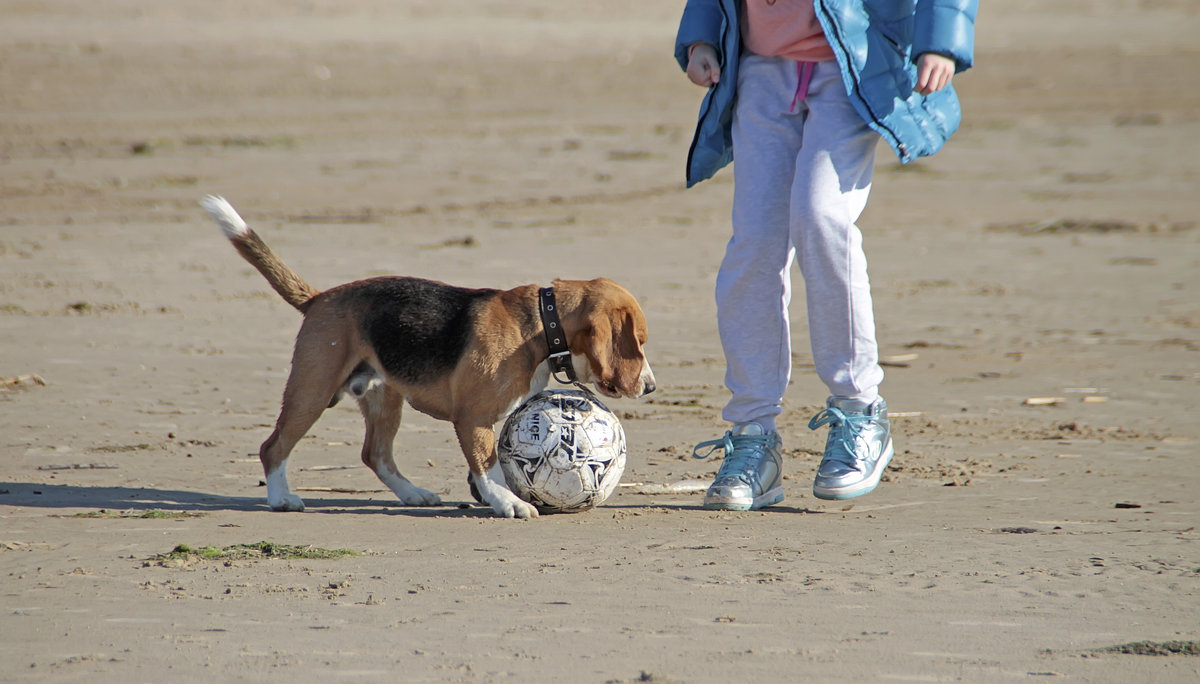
point(833, 178)
point(832, 181)
point(754, 288)
point(753, 284)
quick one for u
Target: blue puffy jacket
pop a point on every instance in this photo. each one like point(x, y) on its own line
point(875, 43)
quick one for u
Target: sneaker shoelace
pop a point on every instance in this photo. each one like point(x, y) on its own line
point(848, 426)
point(741, 451)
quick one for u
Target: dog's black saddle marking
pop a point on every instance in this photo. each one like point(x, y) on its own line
point(418, 328)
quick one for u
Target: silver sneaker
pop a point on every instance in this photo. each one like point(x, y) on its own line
point(751, 476)
point(857, 451)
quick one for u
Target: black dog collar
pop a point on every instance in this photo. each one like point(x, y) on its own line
point(560, 354)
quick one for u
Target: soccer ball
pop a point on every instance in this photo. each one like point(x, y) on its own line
point(562, 451)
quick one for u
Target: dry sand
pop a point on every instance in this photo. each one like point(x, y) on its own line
point(1051, 251)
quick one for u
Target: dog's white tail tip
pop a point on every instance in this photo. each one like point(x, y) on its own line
point(225, 216)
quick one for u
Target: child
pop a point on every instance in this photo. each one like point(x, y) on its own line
point(801, 91)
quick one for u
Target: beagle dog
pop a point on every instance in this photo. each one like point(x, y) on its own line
point(469, 356)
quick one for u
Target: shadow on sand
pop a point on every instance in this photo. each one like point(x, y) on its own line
point(55, 496)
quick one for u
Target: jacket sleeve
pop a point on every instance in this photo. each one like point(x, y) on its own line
point(946, 27)
point(702, 22)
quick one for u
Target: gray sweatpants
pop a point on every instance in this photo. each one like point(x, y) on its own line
point(802, 173)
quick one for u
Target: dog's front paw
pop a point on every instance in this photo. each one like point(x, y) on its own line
point(491, 489)
point(516, 508)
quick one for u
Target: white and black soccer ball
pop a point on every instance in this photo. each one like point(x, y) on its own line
point(562, 451)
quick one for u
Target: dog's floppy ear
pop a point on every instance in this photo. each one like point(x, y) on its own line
point(597, 344)
point(613, 349)
point(626, 357)
point(609, 330)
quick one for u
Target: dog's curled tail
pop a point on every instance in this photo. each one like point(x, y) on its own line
point(283, 279)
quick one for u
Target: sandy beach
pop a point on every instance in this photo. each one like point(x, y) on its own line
point(1037, 293)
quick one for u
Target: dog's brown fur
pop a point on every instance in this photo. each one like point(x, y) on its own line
point(468, 356)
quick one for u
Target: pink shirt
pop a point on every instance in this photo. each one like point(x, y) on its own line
point(784, 28)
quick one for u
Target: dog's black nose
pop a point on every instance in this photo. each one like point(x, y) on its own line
point(647, 388)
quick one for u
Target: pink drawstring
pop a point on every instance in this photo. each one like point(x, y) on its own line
point(804, 72)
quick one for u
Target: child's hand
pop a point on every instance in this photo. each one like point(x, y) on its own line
point(933, 72)
point(703, 68)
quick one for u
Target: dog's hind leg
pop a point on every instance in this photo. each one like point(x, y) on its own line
point(314, 380)
point(381, 408)
point(294, 420)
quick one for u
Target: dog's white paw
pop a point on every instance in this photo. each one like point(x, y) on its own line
point(287, 502)
point(420, 497)
point(515, 508)
point(279, 495)
point(495, 492)
point(408, 493)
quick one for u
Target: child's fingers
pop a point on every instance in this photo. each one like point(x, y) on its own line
point(703, 71)
point(703, 68)
point(934, 73)
point(712, 70)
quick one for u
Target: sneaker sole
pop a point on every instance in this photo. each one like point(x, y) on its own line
point(866, 486)
point(768, 498)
